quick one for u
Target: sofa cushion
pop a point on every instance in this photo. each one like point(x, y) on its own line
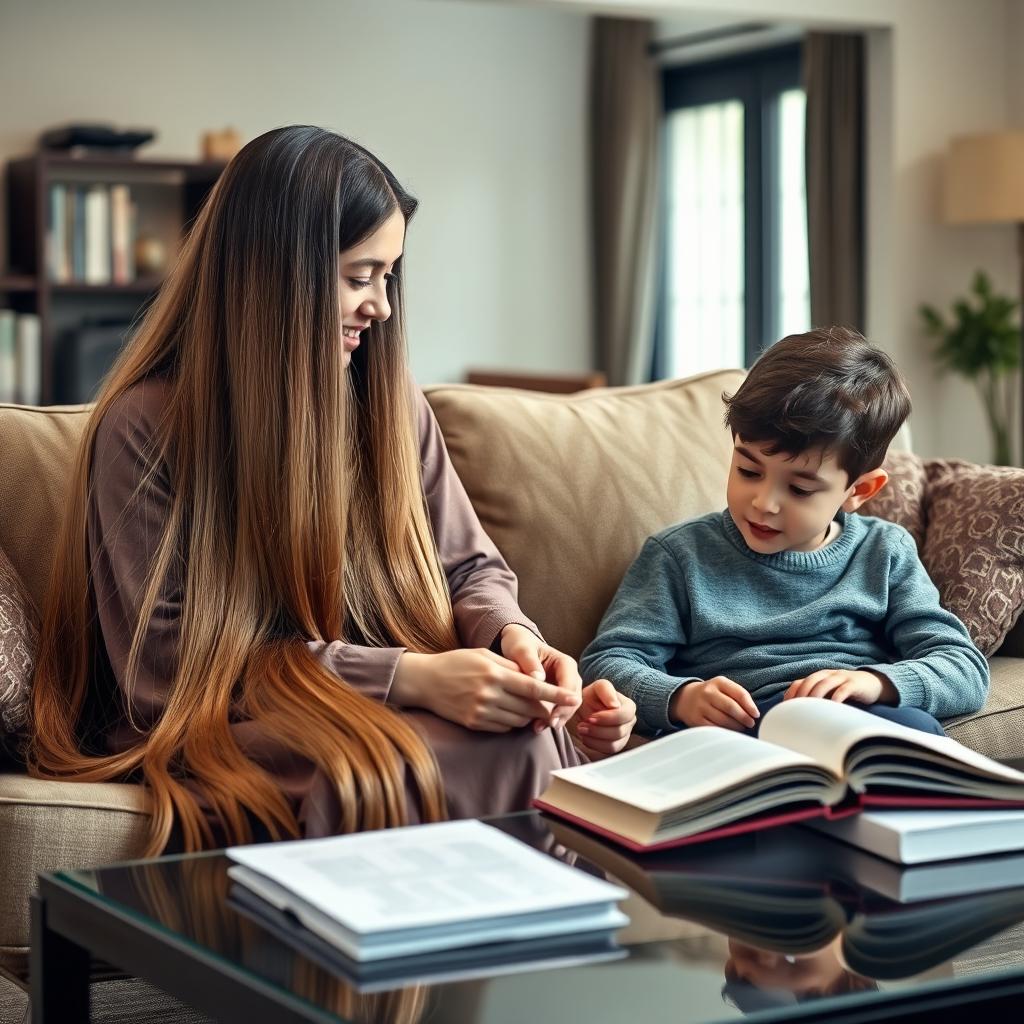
point(38, 448)
point(997, 729)
point(968, 523)
point(48, 826)
point(19, 640)
point(569, 486)
point(902, 499)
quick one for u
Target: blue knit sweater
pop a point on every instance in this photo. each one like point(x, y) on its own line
point(698, 602)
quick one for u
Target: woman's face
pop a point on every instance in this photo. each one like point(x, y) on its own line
point(364, 271)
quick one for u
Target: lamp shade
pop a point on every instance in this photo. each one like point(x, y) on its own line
point(985, 179)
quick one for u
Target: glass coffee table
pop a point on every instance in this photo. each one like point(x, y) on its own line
point(783, 925)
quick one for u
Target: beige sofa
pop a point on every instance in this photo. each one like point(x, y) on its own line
point(567, 485)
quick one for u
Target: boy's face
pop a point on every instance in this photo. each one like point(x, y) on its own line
point(783, 502)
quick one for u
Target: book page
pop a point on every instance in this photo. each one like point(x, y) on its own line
point(683, 768)
point(426, 875)
point(826, 730)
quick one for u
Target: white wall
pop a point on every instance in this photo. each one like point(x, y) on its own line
point(937, 68)
point(477, 108)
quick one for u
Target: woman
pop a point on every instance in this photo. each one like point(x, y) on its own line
point(266, 550)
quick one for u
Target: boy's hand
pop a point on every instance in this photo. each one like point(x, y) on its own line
point(717, 701)
point(604, 721)
point(843, 684)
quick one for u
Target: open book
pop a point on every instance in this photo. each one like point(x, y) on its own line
point(797, 893)
point(813, 758)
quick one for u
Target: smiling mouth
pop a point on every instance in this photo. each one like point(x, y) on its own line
point(762, 531)
point(351, 332)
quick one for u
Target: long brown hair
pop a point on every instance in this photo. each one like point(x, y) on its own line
point(297, 511)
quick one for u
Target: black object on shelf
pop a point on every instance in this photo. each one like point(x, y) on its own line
point(95, 136)
point(84, 356)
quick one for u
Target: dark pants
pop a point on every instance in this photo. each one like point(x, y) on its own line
point(913, 718)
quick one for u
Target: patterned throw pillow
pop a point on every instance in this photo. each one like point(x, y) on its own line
point(902, 499)
point(968, 523)
point(19, 640)
point(974, 545)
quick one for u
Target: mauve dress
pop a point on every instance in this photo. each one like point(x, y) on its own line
point(483, 773)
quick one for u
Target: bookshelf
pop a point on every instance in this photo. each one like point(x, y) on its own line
point(165, 196)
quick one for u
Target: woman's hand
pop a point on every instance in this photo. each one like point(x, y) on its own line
point(604, 721)
point(535, 658)
point(477, 689)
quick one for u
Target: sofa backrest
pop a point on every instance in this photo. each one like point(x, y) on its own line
point(37, 452)
point(569, 486)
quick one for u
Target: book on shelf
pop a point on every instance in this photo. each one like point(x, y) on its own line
point(813, 758)
point(56, 236)
point(408, 892)
point(90, 234)
point(78, 224)
point(97, 235)
point(8, 357)
point(122, 219)
point(793, 892)
point(29, 358)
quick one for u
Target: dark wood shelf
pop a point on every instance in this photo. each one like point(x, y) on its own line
point(143, 286)
point(27, 283)
point(174, 190)
point(18, 283)
point(55, 161)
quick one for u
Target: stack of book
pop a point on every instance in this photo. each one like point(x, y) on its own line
point(20, 357)
point(91, 234)
point(428, 901)
point(814, 759)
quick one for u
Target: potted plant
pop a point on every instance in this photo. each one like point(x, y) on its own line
point(982, 342)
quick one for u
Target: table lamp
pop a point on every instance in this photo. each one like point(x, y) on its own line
point(985, 185)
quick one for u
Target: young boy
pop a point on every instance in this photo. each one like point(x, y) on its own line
point(785, 594)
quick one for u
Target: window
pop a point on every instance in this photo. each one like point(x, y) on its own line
point(735, 274)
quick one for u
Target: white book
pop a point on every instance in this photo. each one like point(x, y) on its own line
point(407, 891)
point(28, 342)
point(97, 235)
point(8, 357)
point(922, 836)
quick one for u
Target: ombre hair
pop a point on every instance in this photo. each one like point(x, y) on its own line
point(297, 513)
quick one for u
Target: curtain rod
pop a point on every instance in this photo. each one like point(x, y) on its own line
point(710, 36)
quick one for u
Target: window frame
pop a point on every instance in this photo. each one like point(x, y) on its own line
point(756, 79)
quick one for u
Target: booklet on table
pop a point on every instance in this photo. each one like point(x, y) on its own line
point(408, 891)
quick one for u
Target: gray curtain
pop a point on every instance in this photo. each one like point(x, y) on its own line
point(625, 122)
point(834, 80)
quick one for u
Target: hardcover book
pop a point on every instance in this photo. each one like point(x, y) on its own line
point(814, 758)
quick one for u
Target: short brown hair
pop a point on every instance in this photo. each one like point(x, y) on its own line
point(828, 388)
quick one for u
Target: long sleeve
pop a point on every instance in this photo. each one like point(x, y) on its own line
point(644, 627)
point(130, 501)
point(483, 588)
point(936, 666)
